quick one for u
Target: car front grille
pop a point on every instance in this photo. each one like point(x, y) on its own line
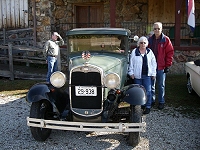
point(79, 78)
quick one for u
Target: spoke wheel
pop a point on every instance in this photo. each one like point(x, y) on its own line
point(40, 110)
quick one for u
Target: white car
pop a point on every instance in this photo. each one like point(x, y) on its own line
point(193, 76)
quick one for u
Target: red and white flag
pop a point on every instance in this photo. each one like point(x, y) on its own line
point(191, 15)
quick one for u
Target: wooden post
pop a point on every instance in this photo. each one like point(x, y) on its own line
point(4, 36)
point(177, 22)
point(34, 22)
point(10, 61)
point(4, 43)
point(112, 13)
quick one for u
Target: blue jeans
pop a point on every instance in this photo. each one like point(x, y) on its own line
point(160, 79)
point(52, 66)
point(146, 82)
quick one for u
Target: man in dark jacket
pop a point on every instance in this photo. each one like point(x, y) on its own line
point(163, 51)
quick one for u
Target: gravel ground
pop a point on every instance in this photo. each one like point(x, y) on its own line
point(166, 130)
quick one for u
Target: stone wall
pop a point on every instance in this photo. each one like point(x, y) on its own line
point(180, 58)
point(50, 14)
point(55, 15)
point(129, 10)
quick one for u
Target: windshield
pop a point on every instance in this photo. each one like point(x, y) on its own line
point(110, 43)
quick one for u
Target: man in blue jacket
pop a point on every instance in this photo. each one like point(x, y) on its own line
point(163, 51)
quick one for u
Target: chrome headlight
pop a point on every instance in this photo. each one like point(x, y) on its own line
point(58, 79)
point(112, 80)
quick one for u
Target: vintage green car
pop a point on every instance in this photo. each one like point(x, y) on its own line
point(95, 93)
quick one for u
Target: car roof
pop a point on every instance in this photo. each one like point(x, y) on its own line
point(117, 31)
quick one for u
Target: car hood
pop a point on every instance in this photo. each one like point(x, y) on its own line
point(108, 62)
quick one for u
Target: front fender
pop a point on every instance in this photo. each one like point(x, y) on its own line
point(135, 94)
point(37, 92)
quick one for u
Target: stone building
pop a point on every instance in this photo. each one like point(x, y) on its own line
point(60, 15)
point(46, 16)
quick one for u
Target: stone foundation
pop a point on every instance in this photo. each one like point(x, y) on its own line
point(180, 58)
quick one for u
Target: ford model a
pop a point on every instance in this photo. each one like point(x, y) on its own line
point(94, 94)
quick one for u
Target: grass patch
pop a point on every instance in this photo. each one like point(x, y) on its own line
point(178, 97)
point(177, 94)
point(16, 87)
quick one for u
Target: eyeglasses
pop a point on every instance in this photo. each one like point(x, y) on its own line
point(142, 42)
point(156, 28)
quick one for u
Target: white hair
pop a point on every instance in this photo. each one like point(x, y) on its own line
point(158, 23)
point(143, 39)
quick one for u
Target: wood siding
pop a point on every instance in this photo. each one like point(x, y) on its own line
point(164, 11)
point(14, 13)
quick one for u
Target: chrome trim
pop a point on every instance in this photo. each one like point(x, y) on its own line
point(87, 112)
point(86, 126)
point(92, 68)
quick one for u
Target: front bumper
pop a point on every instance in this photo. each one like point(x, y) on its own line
point(86, 126)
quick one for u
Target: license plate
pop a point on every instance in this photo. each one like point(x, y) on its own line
point(85, 91)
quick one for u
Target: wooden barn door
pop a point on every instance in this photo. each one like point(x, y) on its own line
point(89, 16)
point(13, 14)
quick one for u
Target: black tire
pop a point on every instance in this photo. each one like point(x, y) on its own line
point(189, 86)
point(40, 110)
point(135, 117)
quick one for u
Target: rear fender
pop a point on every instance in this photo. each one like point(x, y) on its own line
point(135, 94)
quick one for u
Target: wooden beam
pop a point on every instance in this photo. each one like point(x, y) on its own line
point(10, 61)
point(178, 4)
point(112, 13)
point(186, 48)
point(4, 36)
